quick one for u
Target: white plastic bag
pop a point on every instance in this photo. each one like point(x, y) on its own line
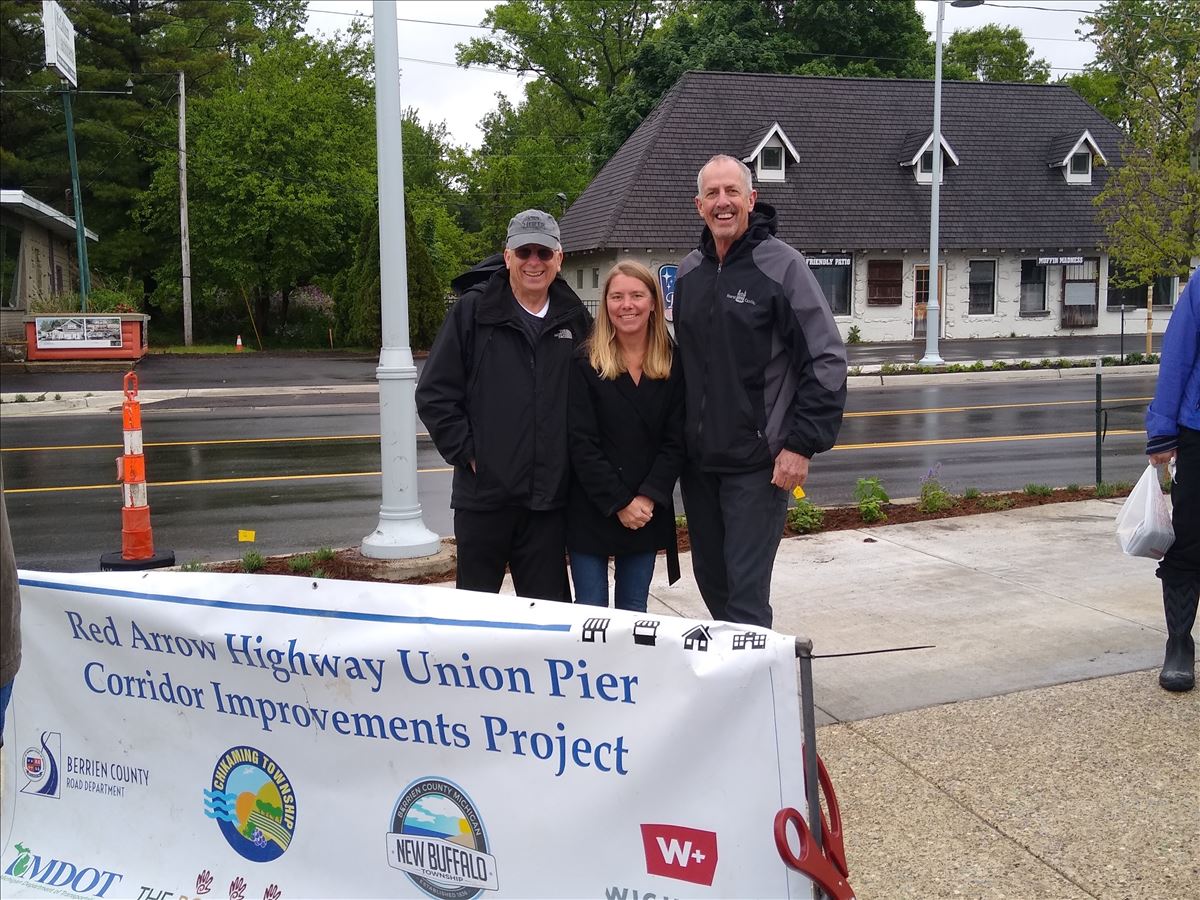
point(1144, 522)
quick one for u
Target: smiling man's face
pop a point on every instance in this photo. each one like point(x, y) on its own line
point(725, 202)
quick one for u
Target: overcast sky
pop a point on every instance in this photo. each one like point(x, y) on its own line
point(429, 29)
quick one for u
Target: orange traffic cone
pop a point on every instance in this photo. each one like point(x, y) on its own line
point(137, 542)
point(239, 344)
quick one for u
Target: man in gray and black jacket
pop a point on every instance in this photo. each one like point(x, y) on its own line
point(765, 370)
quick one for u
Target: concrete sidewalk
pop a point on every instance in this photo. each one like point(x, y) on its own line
point(1030, 753)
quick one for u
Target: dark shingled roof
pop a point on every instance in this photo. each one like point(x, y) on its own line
point(848, 190)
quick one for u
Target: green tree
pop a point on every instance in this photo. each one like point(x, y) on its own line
point(992, 53)
point(119, 134)
point(1150, 207)
point(1099, 88)
point(281, 172)
point(357, 291)
point(582, 47)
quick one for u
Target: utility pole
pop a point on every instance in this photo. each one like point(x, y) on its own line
point(401, 533)
point(185, 246)
point(85, 279)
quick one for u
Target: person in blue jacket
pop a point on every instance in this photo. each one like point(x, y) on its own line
point(1173, 432)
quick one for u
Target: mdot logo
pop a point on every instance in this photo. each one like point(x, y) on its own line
point(438, 840)
point(88, 881)
point(253, 803)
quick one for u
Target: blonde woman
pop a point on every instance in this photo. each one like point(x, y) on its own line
point(625, 422)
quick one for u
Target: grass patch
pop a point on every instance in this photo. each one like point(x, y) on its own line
point(1039, 490)
point(302, 562)
point(252, 561)
point(995, 504)
point(971, 493)
point(325, 554)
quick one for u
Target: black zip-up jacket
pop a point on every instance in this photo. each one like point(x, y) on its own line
point(764, 364)
point(486, 393)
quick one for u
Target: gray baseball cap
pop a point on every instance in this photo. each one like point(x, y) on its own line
point(532, 227)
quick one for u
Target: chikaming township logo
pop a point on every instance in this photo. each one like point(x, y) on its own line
point(253, 803)
point(438, 840)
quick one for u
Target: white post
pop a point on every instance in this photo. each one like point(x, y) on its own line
point(185, 246)
point(932, 310)
point(401, 533)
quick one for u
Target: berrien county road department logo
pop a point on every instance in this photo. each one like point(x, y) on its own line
point(253, 803)
point(438, 839)
point(40, 766)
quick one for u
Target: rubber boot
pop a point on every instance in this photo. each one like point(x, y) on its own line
point(1179, 604)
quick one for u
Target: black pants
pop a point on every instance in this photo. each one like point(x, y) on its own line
point(734, 522)
point(530, 543)
point(1181, 565)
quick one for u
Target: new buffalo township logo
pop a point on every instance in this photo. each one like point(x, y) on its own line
point(253, 803)
point(438, 840)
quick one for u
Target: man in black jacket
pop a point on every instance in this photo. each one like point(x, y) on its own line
point(493, 395)
point(765, 370)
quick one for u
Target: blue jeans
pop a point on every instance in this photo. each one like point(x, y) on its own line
point(5, 696)
point(634, 571)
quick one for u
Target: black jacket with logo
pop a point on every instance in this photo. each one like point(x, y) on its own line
point(764, 364)
point(486, 393)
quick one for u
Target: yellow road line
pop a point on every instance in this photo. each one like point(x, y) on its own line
point(954, 409)
point(247, 480)
point(985, 440)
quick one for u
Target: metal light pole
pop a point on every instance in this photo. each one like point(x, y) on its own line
point(401, 533)
point(933, 309)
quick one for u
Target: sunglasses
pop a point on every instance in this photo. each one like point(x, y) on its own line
point(545, 254)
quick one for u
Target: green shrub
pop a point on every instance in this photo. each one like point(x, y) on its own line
point(301, 562)
point(805, 518)
point(1104, 490)
point(1025, 364)
point(871, 497)
point(252, 561)
point(325, 554)
point(971, 493)
point(1072, 487)
point(192, 566)
point(934, 497)
point(888, 369)
point(317, 573)
point(1038, 490)
point(856, 370)
point(854, 336)
point(977, 366)
point(999, 364)
point(1134, 359)
point(996, 504)
point(871, 511)
point(681, 521)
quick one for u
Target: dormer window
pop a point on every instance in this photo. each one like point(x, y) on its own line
point(1076, 154)
point(917, 154)
point(768, 153)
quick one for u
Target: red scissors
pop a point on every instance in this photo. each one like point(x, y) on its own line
point(825, 865)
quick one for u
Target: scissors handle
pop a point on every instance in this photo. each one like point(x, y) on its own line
point(831, 831)
point(810, 861)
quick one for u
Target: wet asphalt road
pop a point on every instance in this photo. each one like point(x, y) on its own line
point(304, 477)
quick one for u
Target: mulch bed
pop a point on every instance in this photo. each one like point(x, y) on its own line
point(351, 565)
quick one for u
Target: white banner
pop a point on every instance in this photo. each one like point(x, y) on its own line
point(191, 735)
point(78, 332)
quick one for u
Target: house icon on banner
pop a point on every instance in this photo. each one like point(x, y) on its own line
point(645, 631)
point(697, 638)
point(749, 640)
point(596, 627)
